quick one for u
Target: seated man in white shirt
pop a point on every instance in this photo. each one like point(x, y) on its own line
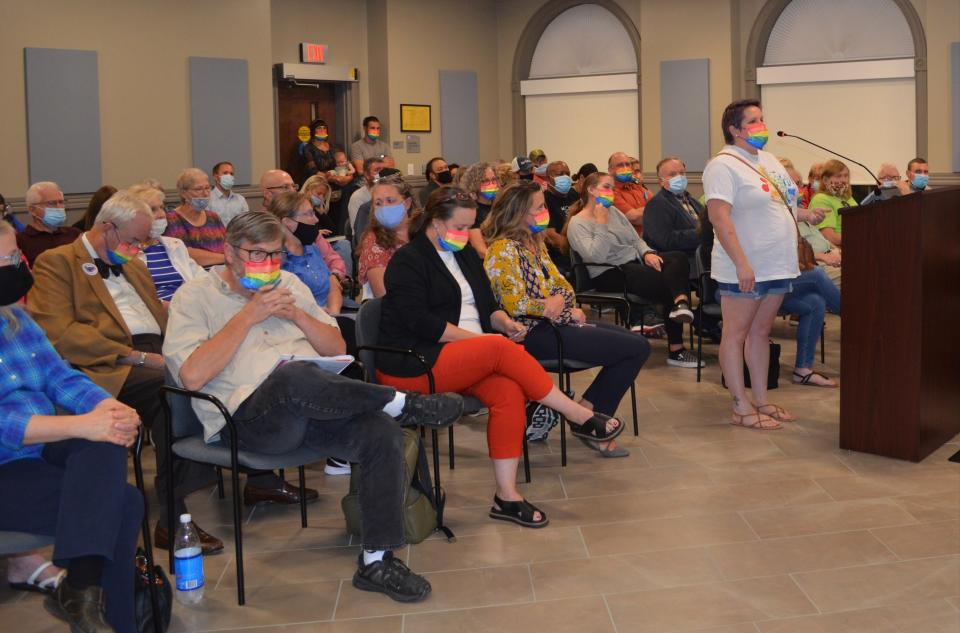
point(371, 171)
point(230, 327)
point(223, 199)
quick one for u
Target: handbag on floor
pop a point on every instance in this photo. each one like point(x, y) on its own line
point(142, 608)
point(421, 513)
point(773, 371)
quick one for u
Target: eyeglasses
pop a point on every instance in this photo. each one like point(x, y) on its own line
point(134, 243)
point(204, 189)
point(290, 186)
point(259, 256)
point(14, 258)
point(50, 203)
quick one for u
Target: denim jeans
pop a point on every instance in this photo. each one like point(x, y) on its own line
point(812, 295)
point(300, 404)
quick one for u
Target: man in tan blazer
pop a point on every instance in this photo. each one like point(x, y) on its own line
point(98, 305)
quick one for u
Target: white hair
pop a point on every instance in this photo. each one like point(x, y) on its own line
point(121, 208)
point(188, 177)
point(35, 192)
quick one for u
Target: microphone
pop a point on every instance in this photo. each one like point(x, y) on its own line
point(783, 134)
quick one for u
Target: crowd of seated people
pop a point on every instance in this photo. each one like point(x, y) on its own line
point(474, 273)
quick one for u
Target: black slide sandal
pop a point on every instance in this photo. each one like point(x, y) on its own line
point(596, 428)
point(519, 512)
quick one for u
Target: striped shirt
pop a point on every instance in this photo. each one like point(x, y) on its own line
point(209, 237)
point(165, 276)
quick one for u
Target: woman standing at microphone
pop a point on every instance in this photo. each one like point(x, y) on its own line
point(752, 204)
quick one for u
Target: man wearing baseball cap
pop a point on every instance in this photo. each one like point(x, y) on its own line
point(539, 160)
point(522, 167)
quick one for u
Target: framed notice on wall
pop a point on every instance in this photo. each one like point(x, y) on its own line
point(414, 118)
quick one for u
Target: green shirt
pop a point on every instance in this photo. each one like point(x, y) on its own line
point(833, 205)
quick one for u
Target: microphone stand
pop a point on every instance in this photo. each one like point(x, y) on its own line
point(782, 134)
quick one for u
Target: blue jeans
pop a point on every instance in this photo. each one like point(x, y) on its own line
point(813, 293)
point(345, 251)
point(300, 404)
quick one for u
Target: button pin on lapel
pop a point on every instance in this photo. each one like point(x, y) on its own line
point(89, 269)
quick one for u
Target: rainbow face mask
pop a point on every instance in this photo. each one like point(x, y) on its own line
point(623, 174)
point(453, 241)
point(542, 220)
point(605, 198)
point(321, 136)
point(373, 135)
point(489, 191)
point(757, 135)
point(257, 275)
point(122, 254)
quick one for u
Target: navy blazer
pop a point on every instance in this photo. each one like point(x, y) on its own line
point(422, 297)
point(667, 226)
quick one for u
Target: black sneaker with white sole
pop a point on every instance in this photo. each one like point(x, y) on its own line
point(541, 419)
point(436, 409)
point(392, 577)
point(681, 312)
point(684, 358)
point(336, 467)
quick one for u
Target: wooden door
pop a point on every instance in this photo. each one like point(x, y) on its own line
point(297, 106)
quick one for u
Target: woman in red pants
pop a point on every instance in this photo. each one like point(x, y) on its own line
point(440, 304)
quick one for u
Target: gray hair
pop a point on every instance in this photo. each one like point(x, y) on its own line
point(255, 227)
point(472, 176)
point(121, 208)
point(35, 192)
point(188, 177)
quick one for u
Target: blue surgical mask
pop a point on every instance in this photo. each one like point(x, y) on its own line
point(227, 181)
point(541, 170)
point(54, 217)
point(316, 200)
point(563, 183)
point(200, 204)
point(888, 184)
point(677, 184)
point(391, 216)
point(920, 181)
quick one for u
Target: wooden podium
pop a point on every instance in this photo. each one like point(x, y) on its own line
point(900, 348)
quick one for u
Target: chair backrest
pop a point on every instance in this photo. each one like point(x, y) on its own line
point(184, 420)
point(360, 223)
point(581, 276)
point(368, 333)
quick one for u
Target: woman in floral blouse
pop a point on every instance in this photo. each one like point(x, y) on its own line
point(526, 282)
point(392, 204)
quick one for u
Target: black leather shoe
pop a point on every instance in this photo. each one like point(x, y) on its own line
point(392, 577)
point(437, 410)
point(209, 544)
point(284, 493)
point(82, 609)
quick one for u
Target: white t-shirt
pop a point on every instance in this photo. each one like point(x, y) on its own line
point(766, 233)
point(469, 315)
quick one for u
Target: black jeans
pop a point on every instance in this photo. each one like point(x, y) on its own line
point(620, 352)
point(301, 404)
point(661, 287)
point(78, 493)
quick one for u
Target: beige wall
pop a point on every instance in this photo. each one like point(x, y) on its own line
point(425, 37)
point(143, 48)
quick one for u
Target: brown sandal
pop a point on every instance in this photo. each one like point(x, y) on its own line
point(779, 413)
point(740, 420)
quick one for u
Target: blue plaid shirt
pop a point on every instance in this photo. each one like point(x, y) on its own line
point(34, 380)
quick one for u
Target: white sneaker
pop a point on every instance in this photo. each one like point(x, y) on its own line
point(681, 313)
point(336, 467)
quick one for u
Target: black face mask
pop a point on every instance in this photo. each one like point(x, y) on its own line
point(307, 233)
point(444, 177)
point(15, 281)
point(526, 176)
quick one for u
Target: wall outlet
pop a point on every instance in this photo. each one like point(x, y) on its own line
point(410, 171)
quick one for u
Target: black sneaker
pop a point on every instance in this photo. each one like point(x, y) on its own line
point(438, 409)
point(541, 419)
point(392, 577)
point(681, 312)
point(684, 358)
point(82, 609)
point(650, 325)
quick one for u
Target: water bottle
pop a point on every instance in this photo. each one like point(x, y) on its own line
point(188, 563)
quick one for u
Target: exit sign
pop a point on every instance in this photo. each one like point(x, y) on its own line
point(313, 53)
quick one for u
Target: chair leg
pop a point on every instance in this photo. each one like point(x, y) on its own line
point(526, 459)
point(700, 346)
point(450, 445)
point(147, 544)
point(436, 463)
point(282, 474)
point(633, 405)
point(823, 348)
point(563, 423)
point(303, 496)
point(220, 483)
point(238, 535)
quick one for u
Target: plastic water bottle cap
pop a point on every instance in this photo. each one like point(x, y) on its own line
point(185, 518)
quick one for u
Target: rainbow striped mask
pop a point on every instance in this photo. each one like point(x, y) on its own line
point(542, 220)
point(605, 199)
point(757, 135)
point(257, 275)
point(623, 174)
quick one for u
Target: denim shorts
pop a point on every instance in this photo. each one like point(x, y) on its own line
point(760, 289)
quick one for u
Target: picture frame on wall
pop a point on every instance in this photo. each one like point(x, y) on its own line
point(415, 118)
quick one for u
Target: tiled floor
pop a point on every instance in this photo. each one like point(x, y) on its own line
point(706, 527)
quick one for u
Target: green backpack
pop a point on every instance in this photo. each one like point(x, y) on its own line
point(420, 511)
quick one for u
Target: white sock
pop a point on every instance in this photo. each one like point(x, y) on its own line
point(395, 407)
point(372, 557)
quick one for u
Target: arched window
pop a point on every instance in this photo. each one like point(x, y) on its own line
point(580, 100)
point(841, 73)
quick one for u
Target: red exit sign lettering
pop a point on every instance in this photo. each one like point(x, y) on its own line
point(313, 53)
